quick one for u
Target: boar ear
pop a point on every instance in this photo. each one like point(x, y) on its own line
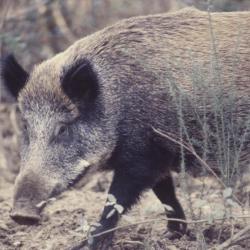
point(13, 75)
point(80, 82)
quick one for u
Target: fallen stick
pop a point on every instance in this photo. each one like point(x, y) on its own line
point(233, 240)
point(81, 244)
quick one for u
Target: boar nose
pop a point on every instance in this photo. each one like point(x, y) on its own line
point(24, 216)
point(25, 212)
point(29, 192)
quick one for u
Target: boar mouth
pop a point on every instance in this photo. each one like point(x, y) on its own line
point(25, 219)
point(24, 214)
point(30, 196)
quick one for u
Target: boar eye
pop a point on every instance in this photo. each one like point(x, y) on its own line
point(62, 134)
point(60, 129)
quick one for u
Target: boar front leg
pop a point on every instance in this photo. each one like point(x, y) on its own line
point(124, 191)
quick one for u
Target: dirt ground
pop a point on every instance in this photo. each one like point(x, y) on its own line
point(65, 221)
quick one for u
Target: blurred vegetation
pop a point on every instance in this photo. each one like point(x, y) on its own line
point(220, 5)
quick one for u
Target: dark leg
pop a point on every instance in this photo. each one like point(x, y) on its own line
point(165, 191)
point(126, 189)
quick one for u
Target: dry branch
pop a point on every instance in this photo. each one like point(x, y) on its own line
point(83, 242)
point(234, 239)
point(193, 152)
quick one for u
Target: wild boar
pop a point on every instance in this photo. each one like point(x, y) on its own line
point(95, 106)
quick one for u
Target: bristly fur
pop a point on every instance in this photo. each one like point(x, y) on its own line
point(144, 70)
point(160, 47)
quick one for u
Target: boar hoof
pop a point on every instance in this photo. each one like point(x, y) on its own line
point(100, 244)
point(173, 235)
point(103, 243)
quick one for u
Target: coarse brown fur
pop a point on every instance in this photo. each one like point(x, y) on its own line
point(140, 73)
point(173, 41)
point(156, 52)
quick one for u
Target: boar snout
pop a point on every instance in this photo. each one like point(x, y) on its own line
point(30, 192)
point(23, 213)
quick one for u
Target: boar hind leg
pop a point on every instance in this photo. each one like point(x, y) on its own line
point(165, 191)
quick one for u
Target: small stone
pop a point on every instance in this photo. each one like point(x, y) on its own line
point(3, 226)
point(172, 247)
point(17, 244)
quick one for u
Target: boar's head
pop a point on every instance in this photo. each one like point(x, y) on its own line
point(65, 130)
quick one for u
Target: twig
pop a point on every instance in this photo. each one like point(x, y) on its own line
point(81, 244)
point(131, 242)
point(193, 152)
point(187, 147)
point(233, 240)
point(240, 239)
